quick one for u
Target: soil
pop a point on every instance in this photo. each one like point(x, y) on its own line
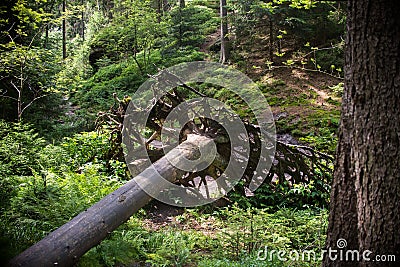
point(162, 216)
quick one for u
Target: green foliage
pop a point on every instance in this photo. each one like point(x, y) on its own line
point(337, 89)
point(171, 57)
point(21, 18)
point(323, 135)
point(286, 194)
point(28, 67)
point(45, 202)
point(123, 78)
point(235, 238)
point(331, 59)
point(27, 74)
point(19, 148)
point(76, 69)
point(281, 28)
point(132, 243)
point(190, 25)
point(324, 140)
point(250, 261)
point(20, 158)
point(244, 232)
point(319, 26)
point(85, 148)
point(96, 93)
point(44, 186)
point(135, 29)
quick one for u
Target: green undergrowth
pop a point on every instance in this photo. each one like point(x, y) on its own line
point(230, 236)
point(124, 78)
point(46, 185)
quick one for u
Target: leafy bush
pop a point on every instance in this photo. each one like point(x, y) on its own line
point(19, 149)
point(19, 146)
point(27, 72)
point(44, 186)
point(300, 195)
point(96, 93)
point(131, 243)
point(86, 147)
point(44, 202)
point(331, 59)
point(325, 140)
point(337, 89)
point(246, 231)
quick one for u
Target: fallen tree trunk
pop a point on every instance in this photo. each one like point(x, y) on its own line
point(67, 244)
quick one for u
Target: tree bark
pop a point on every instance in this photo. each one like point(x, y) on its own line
point(224, 56)
point(83, 22)
point(67, 244)
point(365, 194)
point(271, 38)
point(64, 32)
point(182, 3)
point(159, 10)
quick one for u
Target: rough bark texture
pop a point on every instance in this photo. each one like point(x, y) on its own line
point(365, 195)
point(67, 244)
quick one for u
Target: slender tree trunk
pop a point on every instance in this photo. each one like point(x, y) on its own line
point(46, 36)
point(224, 56)
point(365, 198)
point(180, 36)
point(64, 32)
point(159, 10)
point(108, 5)
point(182, 3)
point(271, 38)
point(83, 22)
point(19, 91)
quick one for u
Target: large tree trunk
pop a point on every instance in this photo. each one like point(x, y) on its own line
point(67, 244)
point(365, 198)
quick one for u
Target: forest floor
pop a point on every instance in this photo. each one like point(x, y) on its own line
point(162, 216)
